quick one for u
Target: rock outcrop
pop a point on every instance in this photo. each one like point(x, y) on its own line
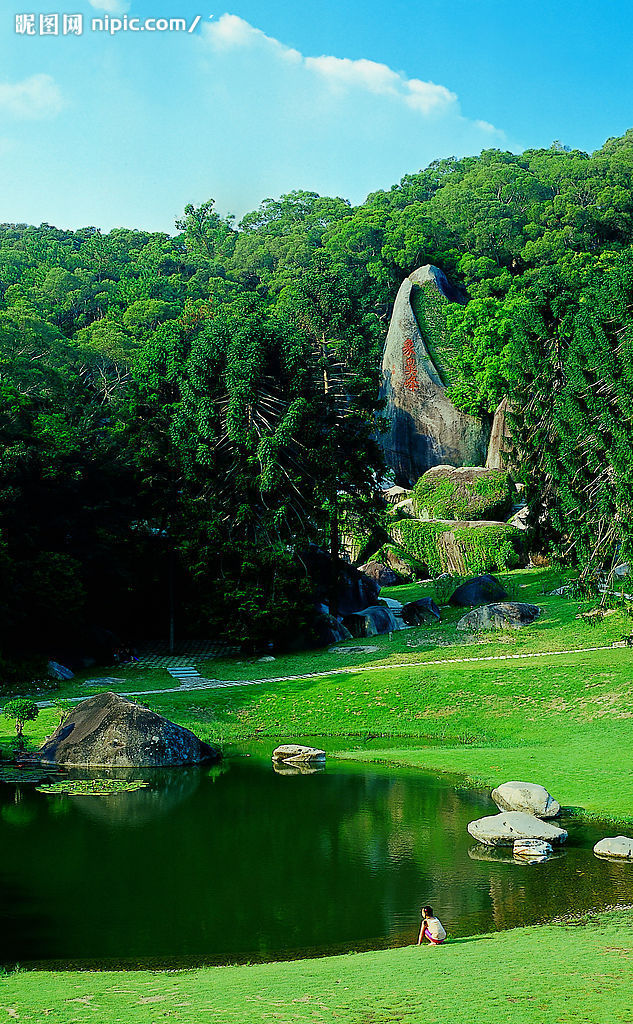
point(618, 847)
point(500, 442)
point(526, 796)
point(505, 828)
point(504, 615)
point(478, 590)
point(425, 428)
point(111, 731)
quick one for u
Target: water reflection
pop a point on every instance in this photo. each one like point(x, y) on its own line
point(201, 866)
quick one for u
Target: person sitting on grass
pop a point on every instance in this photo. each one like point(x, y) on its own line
point(431, 928)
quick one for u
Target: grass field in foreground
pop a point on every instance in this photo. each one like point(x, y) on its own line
point(554, 974)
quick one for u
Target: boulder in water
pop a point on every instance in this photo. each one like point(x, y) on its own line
point(505, 828)
point(618, 847)
point(111, 731)
point(526, 796)
point(297, 754)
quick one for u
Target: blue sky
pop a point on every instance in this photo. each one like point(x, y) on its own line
point(263, 98)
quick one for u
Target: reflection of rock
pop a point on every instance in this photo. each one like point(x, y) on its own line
point(111, 731)
point(618, 847)
point(424, 427)
point(504, 615)
point(503, 829)
point(503, 854)
point(297, 754)
point(479, 590)
point(531, 851)
point(166, 790)
point(294, 768)
point(526, 796)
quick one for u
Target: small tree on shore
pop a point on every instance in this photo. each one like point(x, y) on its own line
point(21, 710)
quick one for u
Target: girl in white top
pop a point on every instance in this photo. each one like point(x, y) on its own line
point(431, 928)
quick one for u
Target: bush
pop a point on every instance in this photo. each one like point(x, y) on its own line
point(468, 493)
point(460, 549)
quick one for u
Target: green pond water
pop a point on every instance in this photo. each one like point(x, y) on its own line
point(244, 864)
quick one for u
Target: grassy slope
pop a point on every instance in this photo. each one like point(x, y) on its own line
point(555, 974)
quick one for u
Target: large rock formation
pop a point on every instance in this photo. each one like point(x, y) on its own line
point(425, 428)
point(478, 590)
point(111, 731)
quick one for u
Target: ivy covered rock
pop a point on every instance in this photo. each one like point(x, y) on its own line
point(461, 548)
point(469, 492)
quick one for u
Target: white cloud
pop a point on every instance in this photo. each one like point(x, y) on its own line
point(230, 32)
point(38, 96)
point(110, 6)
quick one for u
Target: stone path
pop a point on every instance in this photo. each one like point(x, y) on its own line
point(216, 684)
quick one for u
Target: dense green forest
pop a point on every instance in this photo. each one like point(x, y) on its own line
point(183, 414)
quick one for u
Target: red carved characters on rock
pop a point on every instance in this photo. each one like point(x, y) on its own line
point(410, 366)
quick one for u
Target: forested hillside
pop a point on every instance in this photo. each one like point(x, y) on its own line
point(186, 413)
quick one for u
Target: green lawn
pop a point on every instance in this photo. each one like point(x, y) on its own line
point(556, 974)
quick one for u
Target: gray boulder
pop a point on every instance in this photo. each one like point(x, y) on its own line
point(384, 575)
point(297, 754)
point(505, 828)
point(111, 731)
point(372, 622)
point(57, 671)
point(478, 590)
point(417, 613)
point(526, 796)
point(504, 615)
point(618, 847)
point(424, 427)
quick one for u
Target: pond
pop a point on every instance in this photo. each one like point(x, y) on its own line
point(243, 864)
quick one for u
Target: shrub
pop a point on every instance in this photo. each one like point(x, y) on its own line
point(461, 549)
point(21, 710)
point(468, 493)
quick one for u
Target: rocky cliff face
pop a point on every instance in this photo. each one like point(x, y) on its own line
point(425, 428)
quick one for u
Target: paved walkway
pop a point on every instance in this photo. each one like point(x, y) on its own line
point(216, 684)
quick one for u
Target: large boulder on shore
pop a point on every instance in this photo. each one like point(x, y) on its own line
point(526, 796)
point(110, 731)
point(424, 427)
point(478, 590)
point(618, 847)
point(505, 828)
point(465, 492)
point(503, 615)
